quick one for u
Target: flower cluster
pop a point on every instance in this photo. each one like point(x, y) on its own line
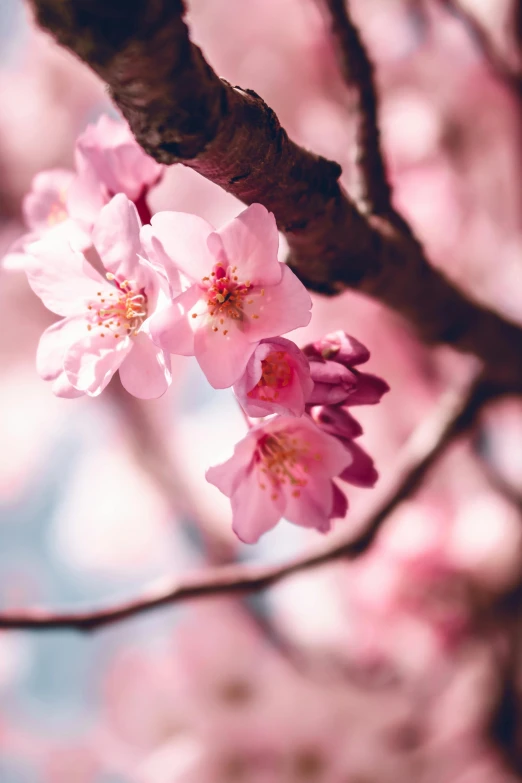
point(155, 285)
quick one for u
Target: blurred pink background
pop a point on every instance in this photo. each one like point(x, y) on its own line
point(372, 672)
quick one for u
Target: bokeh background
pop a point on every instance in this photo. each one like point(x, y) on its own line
point(392, 668)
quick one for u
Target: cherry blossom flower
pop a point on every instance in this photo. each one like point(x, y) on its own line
point(110, 152)
point(276, 380)
point(66, 203)
point(239, 293)
point(284, 467)
point(106, 319)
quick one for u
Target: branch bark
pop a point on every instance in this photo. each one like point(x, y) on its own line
point(453, 416)
point(180, 111)
point(358, 73)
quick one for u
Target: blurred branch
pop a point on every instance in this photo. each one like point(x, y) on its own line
point(482, 39)
point(454, 415)
point(180, 111)
point(150, 450)
point(358, 73)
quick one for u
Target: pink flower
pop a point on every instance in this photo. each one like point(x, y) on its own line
point(47, 212)
point(283, 467)
point(276, 380)
point(239, 292)
point(66, 203)
point(118, 163)
point(332, 361)
point(106, 319)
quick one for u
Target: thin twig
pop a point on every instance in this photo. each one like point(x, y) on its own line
point(358, 73)
point(454, 414)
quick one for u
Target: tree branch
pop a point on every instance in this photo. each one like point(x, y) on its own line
point(180, 111)
point(455, 414)
point(358, 73)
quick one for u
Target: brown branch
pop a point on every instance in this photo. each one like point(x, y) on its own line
point(358, 73)
point(180, 111)
point(454, 415)
point(497, 62)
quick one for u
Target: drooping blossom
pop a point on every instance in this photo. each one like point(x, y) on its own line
point(238, 293)
point(66, 203)
point(282, 468)
point(105, 327)
point(276, 380)
point(339, 385)
point(332, 362)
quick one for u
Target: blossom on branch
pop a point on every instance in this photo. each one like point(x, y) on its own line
point(276, 380)
point(105, 327)
point(283, 468)
point(66, 203)
point(238, 292)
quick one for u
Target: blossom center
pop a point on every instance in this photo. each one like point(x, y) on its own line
point(58, 212)
point(226, 297)
point(284, 460)
point(276, 374)
point(120, 312)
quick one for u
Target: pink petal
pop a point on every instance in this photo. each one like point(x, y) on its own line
point(251, 242)
point(340, 503)
point(90, 363)
point(327, 394)
point(145, 372)
point(160, 260)
point(62, 388)
point(361, 472)
point(222, 358)
point(116, 236)
point(368, 391)
point(184, 239)
point(281, 309)
point(335, 420)
point(339, 347)
point(116, 158)
point(54, 344)
point(314, 505)
point(51, 351)
point(171, 329)
point(61, 277)
point(331, 372)
point(45, 204)
point(86, 197)
point(255, 510)
point(229, 475)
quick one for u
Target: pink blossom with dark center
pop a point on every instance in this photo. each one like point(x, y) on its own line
point(283, 468)
point(276, 380)
point(238, 292)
